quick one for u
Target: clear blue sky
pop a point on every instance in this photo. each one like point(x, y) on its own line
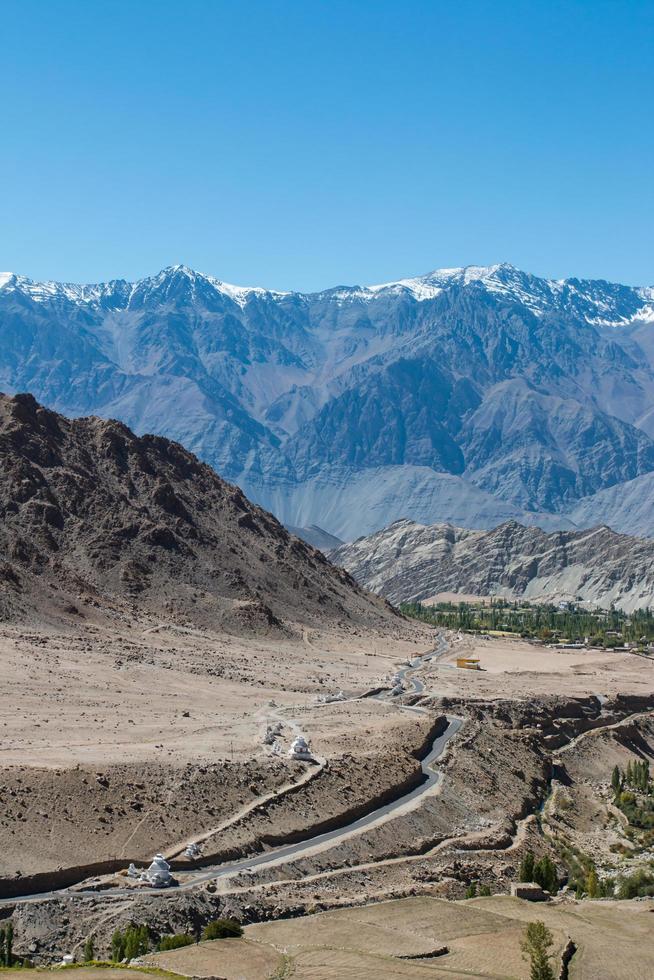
point(303, 144)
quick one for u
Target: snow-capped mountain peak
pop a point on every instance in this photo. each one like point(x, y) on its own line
point(464, 394)
point(599, 302)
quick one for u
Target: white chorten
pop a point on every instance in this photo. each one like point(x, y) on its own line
point(300, 749)
point(330, 698)
point(158, 874)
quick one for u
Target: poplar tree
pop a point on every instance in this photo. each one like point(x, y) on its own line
point(616, 781)
point(526, 872)
point(535, 945)
point(592, 883)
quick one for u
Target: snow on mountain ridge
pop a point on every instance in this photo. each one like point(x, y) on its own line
point(348, 407)
point(602, 299)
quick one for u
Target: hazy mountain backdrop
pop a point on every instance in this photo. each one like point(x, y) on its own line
point(472, 396)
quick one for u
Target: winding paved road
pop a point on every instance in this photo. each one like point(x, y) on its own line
point(280, 854)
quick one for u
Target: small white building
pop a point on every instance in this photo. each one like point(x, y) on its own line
point(300, 750)
point(193, 851)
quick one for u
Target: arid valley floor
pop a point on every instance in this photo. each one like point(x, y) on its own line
point(124, 739)
point(164, 643)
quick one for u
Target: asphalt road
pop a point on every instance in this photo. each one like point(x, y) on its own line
point(301, 847)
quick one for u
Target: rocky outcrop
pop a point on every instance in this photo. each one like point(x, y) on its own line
point(410, 562)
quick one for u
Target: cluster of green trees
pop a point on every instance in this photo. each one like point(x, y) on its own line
point(636, 801)
point(582, 873)
point(543, 872)
point(175, 942)
point(222, 929)
point(640, 884)
point(134, 941)
point(542, 621)
point(636, 775)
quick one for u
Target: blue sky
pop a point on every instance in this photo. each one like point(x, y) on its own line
point(302, 144)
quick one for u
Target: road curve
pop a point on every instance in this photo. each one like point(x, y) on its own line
point(297, 849)
point(301, 847)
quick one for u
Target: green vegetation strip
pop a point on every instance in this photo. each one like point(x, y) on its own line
point(603, 627)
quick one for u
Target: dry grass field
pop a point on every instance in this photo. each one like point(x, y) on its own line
point(615, 941)
point(144, 693)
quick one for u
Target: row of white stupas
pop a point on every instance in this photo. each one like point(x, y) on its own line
point(300, 748)
point(158, 875)
point(397, 684)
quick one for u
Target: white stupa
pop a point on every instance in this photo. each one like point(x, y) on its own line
point(158, 874)
point(330, 698)
point(193, 850)
point(300, 750)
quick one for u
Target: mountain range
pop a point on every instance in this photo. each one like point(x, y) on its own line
point(411, 562)
point(472, 396)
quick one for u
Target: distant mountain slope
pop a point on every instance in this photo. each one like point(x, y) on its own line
point(90, 510)
point(316, 537)
point(529, 394)
point(628, 506)
point(408, 561)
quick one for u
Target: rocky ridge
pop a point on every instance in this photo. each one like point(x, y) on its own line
point(92, 514)
point(410, 562)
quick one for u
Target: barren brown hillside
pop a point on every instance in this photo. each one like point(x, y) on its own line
point(91, 510)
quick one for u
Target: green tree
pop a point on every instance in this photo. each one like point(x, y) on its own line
point(117, 946)
point(9, 943)
point(89, 951)
point(644, 775)
point(592, 884)
point(616, 781)
point(545, 875)
point(471, 890)
point(526, 872)
point(222, 929)
point(535, 945)
point(135, 941)
point(3, 962)
point(484, 891)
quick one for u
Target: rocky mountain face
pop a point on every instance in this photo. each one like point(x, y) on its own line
point(411, 562)
point(95, 517)
point(470, 395)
